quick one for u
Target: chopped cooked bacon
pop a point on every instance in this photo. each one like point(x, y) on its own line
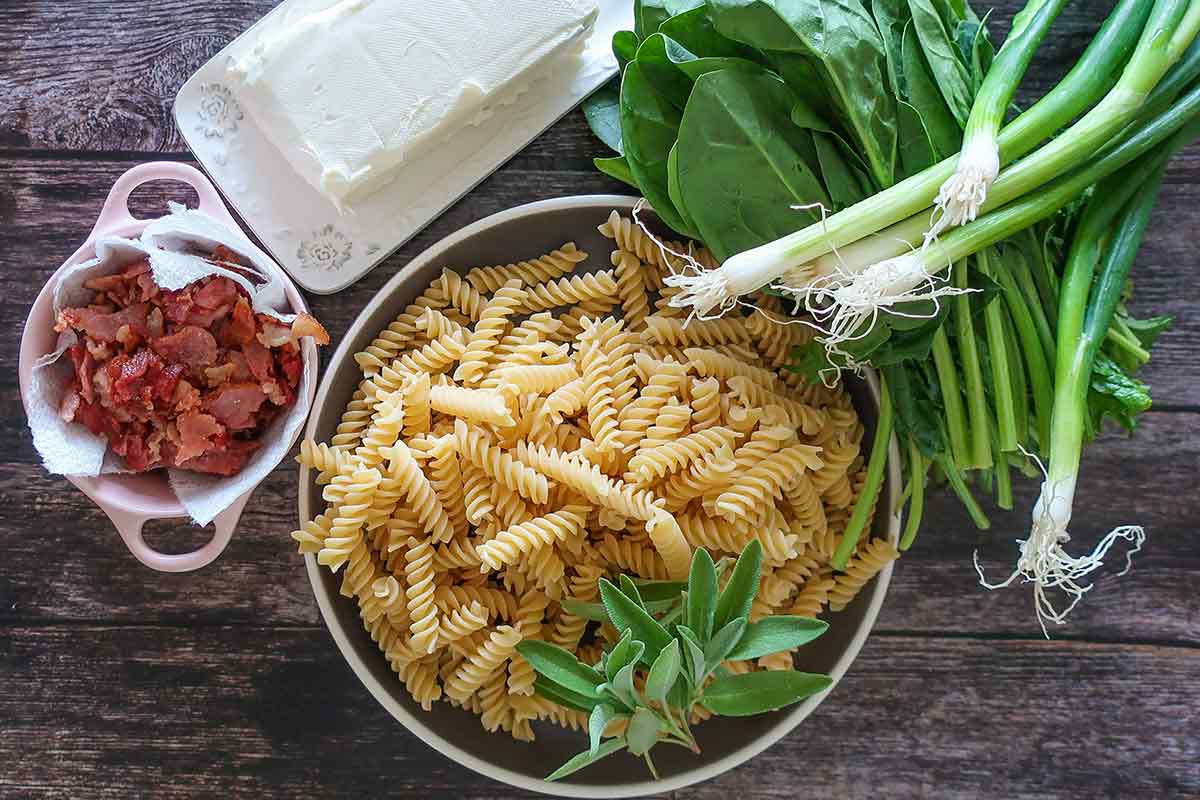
point(154, 323)
point(217, 292)
point(81, 357)
point(235, 405)
point(223, 462)
point(240, 327)
point(306, 325)
point(259, 360)
point(198, 433)
point(274, 333)
point(194, 348)
point(215, 376)
point(104, 327)
point(167, 377)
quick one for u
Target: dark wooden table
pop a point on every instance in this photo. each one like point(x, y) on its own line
point(119, 682)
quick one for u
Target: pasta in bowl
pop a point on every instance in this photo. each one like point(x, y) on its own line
point(491, 440)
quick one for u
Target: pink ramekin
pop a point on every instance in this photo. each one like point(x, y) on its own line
point(132, 500)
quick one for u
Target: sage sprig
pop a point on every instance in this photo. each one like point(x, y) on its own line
point(675, 636)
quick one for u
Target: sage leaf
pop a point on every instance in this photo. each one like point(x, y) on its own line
point(625, 614)
point(776, 634)
point(702, 594)
point(739, 592)
point(764, 169)
point(642, 733)
point(623, 689)
point(663, 672)
point(591, 611)
point(757, 692)
point(598, 720)
point(564, 697)
point(630, 589)
point(559, 666)
point(658, 590)
point(693, 654)
point(722, 643)
point(626, 651)
point(581, 760)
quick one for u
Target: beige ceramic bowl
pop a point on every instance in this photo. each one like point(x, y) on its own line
point(524, 232)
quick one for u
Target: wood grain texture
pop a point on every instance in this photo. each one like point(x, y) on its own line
point(275, 713)
point(118, 682)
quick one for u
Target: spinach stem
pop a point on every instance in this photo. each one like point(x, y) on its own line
point(979, 454)
point(918, 467)
point(880, 445)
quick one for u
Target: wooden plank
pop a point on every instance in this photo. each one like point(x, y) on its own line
point(84, 574)
point(47, 207)
point(238, 711)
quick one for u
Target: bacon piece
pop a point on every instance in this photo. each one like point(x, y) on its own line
point(223, 462)
point(215, 376)
point(292, 365)
point(190, 346)
point(105, 327)
point(259, 360)
point(216, 293)
point(198, 433)
point(307, 325)
point(235, 405)
point(69, 405)
point(240, 328)
point(185, 397)
point(81, 357)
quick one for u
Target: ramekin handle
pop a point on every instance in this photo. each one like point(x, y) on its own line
point(129, 525)
point(116, 214)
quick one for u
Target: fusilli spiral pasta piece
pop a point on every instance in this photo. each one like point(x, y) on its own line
point(685, 333)
point(714, 364)
point(652, 464)
point(511, 544)
point(631, 288)
point(327, 461)
point(633, 557)
point(671, 544)
point(498, 602)
point(864, 566)
point(483, 662)
point(461, 295)
point(477, 494)
point(530, 616)
point(539, 378)
point(354, 421)
point(706, 404)
point(415, 397)
point(568, 291)
point(446, 477)
point(802, 416)
point(398, 335)
point(499, 465)
point(434, 325)
point(566, 401)
point(419, 590)
point(758, 487)
point(812, 597)
point(598, 386)
point(584, 587)
point(420, 493)
point(477, 405)
point(544, 268)
point(493, 319)
point(463, 621)
point(805, 504)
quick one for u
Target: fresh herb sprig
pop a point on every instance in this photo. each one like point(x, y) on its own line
point(675, 637)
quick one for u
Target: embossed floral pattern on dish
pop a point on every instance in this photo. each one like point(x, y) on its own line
point(328, 249)
point(218, 111)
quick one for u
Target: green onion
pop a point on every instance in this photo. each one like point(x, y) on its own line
point(961, 195)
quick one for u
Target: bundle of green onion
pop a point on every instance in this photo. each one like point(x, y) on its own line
point(863, 159)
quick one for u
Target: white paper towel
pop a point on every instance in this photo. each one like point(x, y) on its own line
point(174, 245)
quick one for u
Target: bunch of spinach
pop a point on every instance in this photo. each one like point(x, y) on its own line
point(674, 639)
point(743, 120)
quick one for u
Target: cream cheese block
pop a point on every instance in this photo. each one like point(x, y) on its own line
point(352, 92)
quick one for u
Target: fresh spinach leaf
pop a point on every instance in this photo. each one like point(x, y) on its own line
point(602, 110)
point(616, 167)
point(742, 159)
point(941, 53)
point(694, 30)
point(624, 45)
point(943, 128)
point(648, 15)
point(649, 127)
point(841, 37)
